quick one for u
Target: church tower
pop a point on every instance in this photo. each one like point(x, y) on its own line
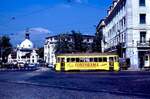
point(27, 34)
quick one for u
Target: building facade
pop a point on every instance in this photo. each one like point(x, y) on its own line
point(127, 26)
point(25, 53)
point(50, 43)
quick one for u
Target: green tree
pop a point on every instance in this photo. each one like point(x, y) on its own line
point(78, 44)
point(119, 49)
point(40, 52)
point(63, 45)
point(71, 43)
point(6, 47)
point(96, 46)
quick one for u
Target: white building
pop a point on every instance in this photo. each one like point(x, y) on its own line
point(49, 47)
point(24, 53)
point(128, 24)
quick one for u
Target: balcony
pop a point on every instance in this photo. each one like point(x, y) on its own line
point(144, 44)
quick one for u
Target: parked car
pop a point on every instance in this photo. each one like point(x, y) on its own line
point(50, 66)
point(32, 66)
point(20, 64)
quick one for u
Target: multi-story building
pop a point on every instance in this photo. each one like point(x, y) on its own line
point(127, 25)
point(50, 42)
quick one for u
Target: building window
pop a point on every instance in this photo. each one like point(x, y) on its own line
point(142, 18)
point(50, 39)
point(88, 39)
point(69, 39)
point(142, 37)
point(124, 21)
point(146, 58)
point(142, 2)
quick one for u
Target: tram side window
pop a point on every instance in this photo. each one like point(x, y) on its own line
point(87, 60)
point(100, 59)
point(77, 60)
point(91, 59)
point(81, 59)
point(68, 59)
point(72, 59)
point(95, 59)
point(104, 59)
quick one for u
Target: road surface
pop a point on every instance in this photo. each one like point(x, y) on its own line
point(47, 84)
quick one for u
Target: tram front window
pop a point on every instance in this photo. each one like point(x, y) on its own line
point(111, 59)
point(62, 59)
point(58, 60)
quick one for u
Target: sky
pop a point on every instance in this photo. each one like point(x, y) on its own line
point(45, 18)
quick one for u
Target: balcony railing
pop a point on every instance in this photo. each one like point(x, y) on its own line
point(143, 44)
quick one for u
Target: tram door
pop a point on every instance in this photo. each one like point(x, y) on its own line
point(147, 61)
point(62, 64)
point(111, 63)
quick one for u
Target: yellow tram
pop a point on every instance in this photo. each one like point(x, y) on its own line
point(87, 61)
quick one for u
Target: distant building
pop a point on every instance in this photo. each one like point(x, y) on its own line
point(50, 42)
point(127, 26)
point(24, 53)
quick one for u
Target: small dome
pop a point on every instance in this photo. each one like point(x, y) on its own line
point(26, 44)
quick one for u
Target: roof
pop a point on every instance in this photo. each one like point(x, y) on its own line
point(27, 44)
point(113, 12)
point(68, 35)
point(85, 54)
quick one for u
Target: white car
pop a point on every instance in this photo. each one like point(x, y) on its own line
point(51, 66)
point(32, 65)
point(20, 64)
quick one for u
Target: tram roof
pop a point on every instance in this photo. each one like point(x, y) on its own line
point(85, 54)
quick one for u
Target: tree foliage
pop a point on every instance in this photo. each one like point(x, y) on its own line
point(78, 44)
point(70, 43)
point(40, 52)
point(63, 45)
point(5, 47)
point(96, 46)
point(119, 49)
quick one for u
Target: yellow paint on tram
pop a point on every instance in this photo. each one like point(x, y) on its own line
point(84, 61)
